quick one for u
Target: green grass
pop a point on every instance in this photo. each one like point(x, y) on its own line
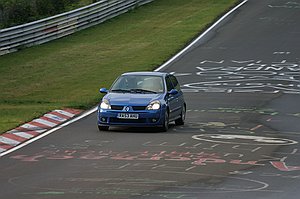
point(69, 72)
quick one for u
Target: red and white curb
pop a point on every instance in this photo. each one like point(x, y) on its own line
point(36, 127)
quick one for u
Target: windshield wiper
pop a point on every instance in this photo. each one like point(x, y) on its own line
point(137, 90)
point(121, 90)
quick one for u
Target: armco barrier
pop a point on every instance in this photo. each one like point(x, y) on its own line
point(41, 31)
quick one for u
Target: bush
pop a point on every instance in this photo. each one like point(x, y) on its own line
point(16, 12)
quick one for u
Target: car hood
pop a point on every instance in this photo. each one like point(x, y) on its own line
point(131, 98)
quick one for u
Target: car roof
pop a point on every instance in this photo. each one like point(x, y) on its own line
point(162, 74)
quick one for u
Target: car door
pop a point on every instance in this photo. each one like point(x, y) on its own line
point(172, 100)
point(179, 96)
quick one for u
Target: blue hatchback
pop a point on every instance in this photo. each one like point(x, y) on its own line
point(142, 99)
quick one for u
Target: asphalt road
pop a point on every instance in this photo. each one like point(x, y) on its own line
point(240, 140)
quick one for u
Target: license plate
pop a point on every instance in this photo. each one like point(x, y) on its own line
point(128, 116)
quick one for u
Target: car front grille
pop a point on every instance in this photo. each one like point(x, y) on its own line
point(135, 108)
point(115, 107)
point(139, 108)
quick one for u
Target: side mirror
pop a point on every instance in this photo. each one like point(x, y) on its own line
point(173, 92)
point(103, 90)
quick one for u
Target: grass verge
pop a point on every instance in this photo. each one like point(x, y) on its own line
point(68, 72)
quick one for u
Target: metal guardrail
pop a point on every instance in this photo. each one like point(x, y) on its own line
point(44, 30)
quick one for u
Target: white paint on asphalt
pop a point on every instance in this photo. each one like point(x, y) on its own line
point(23, 135)
point(243, 139)
point(30, 127)
point(45, 122)
point(65, 113)
point(55, 117)
point(8, 141)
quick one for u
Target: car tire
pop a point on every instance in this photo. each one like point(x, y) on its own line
point(103, 128)
point(166, 123)
point(181, 120)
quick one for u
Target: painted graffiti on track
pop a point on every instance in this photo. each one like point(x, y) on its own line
point(190, 156)
point(243, 139)
point(149, 170)
point(143, 183)
point(245, 76)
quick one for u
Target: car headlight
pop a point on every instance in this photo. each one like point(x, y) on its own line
point(105, 104)
point(155, 105)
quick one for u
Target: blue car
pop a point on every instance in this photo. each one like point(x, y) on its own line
point(142, 99)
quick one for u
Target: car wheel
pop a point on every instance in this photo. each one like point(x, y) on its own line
point(103, 128)
point(166, 123)
point(181, 120)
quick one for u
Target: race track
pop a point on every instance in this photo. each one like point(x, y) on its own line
point(241, 137)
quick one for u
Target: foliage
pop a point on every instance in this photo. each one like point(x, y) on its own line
point(15, 12)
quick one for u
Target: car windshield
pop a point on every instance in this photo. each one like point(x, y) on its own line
point(138, 84)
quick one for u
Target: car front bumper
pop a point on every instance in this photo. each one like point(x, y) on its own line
point(146, 118)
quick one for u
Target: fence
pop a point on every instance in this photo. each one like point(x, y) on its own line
point(41, 31)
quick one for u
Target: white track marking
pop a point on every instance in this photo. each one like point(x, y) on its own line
point(8, 141)
point(45, 122)
point(65, 113)
point(55, 117)
point(30, 127)
point(23, 135)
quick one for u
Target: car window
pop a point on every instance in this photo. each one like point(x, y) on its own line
point(175, 82)
point(139, 83)
point(153, 84)
point(169, 83)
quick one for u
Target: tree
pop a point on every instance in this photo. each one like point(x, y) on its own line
point(15, 12)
